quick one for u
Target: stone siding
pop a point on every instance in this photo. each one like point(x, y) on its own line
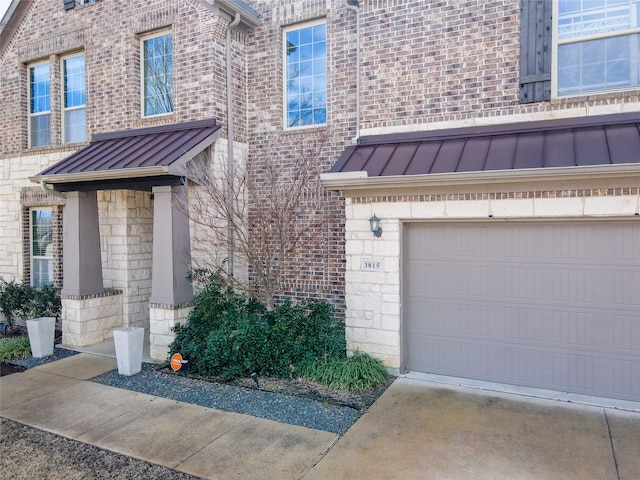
point(163, 319)
point(90, 320)
point(374, 298)
point(126, 241)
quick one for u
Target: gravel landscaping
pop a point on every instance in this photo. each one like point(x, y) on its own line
point(322, 414)
point(28, 453)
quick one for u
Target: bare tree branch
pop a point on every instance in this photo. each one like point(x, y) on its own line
point(272, 213)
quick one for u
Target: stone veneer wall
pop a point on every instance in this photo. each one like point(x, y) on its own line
point(90, 319)
point(373, 320)
point(126, 241)
point(16, 194)
point(163, 319)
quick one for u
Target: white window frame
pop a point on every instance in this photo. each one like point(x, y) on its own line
point(556, 43)
point(285, 92)
point(31, 115)
point(63, 93)
point(34, 257)
point(144, 38)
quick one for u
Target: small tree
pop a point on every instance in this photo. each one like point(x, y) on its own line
point(262, 215)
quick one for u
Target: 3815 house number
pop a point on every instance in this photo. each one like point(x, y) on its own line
point(371, 265)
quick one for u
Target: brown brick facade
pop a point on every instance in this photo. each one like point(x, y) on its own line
point(112, 53)
point(423, 64)
point(36, 197)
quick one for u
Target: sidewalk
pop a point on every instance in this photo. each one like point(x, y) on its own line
point(200, 441)
point(415, 430)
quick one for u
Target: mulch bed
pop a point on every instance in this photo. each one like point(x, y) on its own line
point(9, 368)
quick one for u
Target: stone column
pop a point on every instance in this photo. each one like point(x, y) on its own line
point(171, 248)
point(81, 246)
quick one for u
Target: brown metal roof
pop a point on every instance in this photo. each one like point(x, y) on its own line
point(145, 151)
point(600, 140)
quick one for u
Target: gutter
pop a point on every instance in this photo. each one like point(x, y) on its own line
point(230, 133)
point(358, 181)
point(121, 173)
point(353, 5)
point(47, 189)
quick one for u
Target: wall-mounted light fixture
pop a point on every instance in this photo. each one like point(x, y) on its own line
point(374, 224)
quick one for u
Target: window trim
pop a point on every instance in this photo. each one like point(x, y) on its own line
point(556, 43)
point(64, 109)
point(143, 38)
point(34, 257)
point(284, 31)
point(30, 114)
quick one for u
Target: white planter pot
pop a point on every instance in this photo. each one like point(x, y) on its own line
point(41, 336)
point(128, 342)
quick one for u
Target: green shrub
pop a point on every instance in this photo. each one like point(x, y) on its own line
point(16, 347)
point(24, 301)
point(303, 334)
point(229, 335)
point(356, 373)
point(215, 313)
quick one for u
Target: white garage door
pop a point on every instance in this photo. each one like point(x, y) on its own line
point(547, 305)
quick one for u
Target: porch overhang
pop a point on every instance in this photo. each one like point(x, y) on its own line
point(601, 147)
point(132, 159)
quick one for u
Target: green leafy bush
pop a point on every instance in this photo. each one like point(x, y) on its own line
point(230, 335)
point(356, 373)
point(25, 301)
point(15, 347)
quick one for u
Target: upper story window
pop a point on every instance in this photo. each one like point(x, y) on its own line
point(39, 105)
point(598, 45)
point(305, 52)
point(74, 96)
point(157, 78)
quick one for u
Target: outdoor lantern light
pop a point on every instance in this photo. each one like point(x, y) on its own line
point(374, 224)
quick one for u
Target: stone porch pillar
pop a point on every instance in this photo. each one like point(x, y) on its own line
point(171, 293)
point(171, 248)
point(89, 312)
point(81, 247)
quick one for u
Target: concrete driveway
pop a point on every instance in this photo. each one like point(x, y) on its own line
point(418, 430)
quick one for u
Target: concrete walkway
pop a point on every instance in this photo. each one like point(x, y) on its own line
point(415, 430)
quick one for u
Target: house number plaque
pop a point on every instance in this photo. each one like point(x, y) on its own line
point(371, 265)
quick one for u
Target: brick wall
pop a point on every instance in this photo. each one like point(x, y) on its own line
point(425, 65)
point(112, 52)
point(318, 273)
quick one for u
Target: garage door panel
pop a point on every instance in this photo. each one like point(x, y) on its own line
point(626, 287)
point(627, 333)
point(626, 377)
point(548, 305)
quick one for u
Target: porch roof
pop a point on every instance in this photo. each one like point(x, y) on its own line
point(559, 143)
point(143, 157)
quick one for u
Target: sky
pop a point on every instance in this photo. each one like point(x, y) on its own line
point(4, 4)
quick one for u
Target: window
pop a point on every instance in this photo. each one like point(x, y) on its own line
point(39, 106)
point(305, 52)
point(41, 230)
point(598, 44)
point(74, 118)
point(157, 88)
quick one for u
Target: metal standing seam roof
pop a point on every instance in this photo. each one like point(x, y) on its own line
point(598, 140)
point(154, 150)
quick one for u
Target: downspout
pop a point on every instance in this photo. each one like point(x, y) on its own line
point(47, 189)
point(230, 137)
point(353, 5)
